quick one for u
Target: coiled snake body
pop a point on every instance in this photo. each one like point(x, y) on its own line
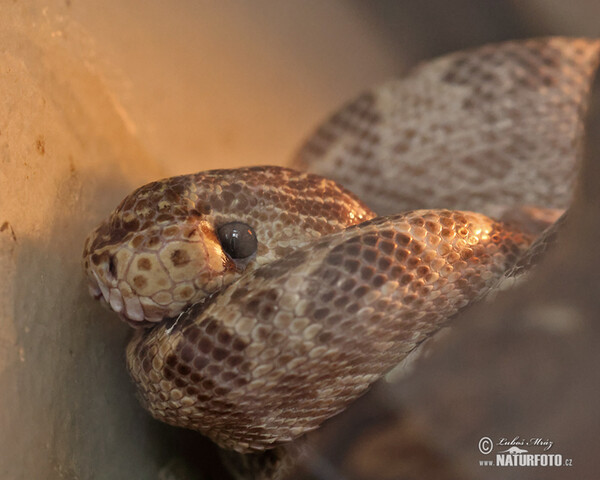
point(277, 297)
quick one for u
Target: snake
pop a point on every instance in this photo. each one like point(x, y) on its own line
point(266, 299)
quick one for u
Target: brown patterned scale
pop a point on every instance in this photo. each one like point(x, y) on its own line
point(274, 298)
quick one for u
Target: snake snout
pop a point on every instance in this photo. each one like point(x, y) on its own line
point(157, 273)
point(103, 282)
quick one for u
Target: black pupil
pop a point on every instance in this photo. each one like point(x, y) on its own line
point(238, 240)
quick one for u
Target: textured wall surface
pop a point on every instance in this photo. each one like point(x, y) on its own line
point(99, 97)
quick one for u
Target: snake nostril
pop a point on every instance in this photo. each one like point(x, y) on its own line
point(112, 266)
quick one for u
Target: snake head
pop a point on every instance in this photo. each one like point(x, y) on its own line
point(175, 242)
point(157, 253)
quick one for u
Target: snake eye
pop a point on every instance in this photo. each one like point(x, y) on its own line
point(238, 240)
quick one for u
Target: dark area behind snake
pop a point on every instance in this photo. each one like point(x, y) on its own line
point(276, 297)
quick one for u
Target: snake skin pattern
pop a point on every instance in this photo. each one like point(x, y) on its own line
point(503, 122)
point(256, 352)
point(292, 343)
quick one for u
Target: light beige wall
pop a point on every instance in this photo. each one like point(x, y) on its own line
point(216, 84)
